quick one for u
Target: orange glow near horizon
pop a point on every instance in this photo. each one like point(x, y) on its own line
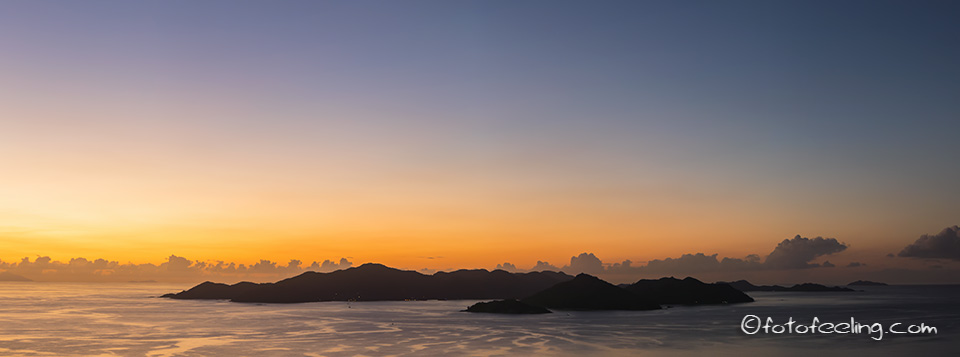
point(129, 208)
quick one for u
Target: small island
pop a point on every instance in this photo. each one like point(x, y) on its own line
point(510, 306)
point(746, 286)
point(866, 283)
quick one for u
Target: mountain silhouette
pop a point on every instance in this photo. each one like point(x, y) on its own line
point(587, 292)
point(817, 287)
point(746, 286)
point(866, 283)
point(688, 291)
point(376, 282)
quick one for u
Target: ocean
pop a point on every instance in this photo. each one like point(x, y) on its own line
point(88, 319)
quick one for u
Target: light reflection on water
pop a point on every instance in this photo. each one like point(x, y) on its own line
point(73, 319)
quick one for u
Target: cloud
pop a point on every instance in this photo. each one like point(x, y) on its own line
point(750, 262)
point(855, 265)
point(699, 263)
point(174, 263)
point(625, 267)
point(584, 263)
point(328, 266)
point(542, 266)
point(685, 264)
point(797, 253)
point(174, 269)
point(943, 245)
point(509, 267)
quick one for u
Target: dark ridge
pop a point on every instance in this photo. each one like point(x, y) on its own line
point(587, 292)
point(510, 306)
point(817, 287)
point(866, 283)
point(746, 286)
point(376, 282)
point(688, 291)
point(213, 291)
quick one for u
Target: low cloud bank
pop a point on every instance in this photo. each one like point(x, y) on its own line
point(796, 253)
point(175, 269)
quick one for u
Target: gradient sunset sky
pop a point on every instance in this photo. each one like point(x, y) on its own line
point(463, 134)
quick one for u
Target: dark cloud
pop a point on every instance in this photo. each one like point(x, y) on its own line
point(625, 267)
point(943, 245)
point(797, 253)
point(890, 255)
point(685, 264)
point(750, 262)
point(855, 265)
point(699, 263)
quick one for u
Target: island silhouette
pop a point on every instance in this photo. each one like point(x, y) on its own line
point(509, 306)
point(866, 283)
point(512, 293)
point(587, 292)
point(746, 286)
point(688, 291)
point(377, 282)
point(532, 292)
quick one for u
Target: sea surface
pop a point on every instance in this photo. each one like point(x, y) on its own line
point(81, 319)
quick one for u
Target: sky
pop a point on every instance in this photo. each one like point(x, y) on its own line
point(440, 135)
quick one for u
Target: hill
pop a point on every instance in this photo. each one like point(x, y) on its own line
point(746, 286)
point(376, 282)
point(688, 291)
point(587, 292)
